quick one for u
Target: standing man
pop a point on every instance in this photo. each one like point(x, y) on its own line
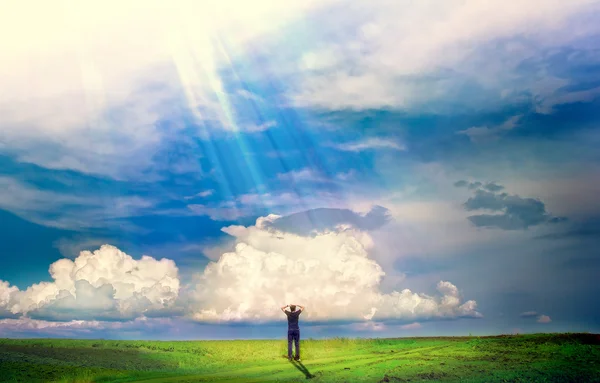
point(293, 329)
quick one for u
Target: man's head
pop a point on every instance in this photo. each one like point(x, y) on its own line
point(293, 307)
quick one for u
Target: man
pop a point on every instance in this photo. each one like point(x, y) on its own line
point(293, 329)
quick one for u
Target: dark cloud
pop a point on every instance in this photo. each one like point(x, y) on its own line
point(588, 229)
point(588, 263)
point(486, 200)
point(493, 187)
point(323, 219)
point(515, 213)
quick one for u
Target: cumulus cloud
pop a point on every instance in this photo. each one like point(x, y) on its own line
point(544, 319)
point(512, 211)
point(105, 284)
point(6, 292)
point(331, 274)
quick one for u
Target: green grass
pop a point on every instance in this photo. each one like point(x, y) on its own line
point(520, 358)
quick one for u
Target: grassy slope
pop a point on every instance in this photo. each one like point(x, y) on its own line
point(525, 358)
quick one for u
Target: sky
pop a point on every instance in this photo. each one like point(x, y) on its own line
point(182, 169)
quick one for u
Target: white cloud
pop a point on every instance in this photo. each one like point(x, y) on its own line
point(91, 80)
point(105, 284)
point(544, 319)
point(254, 128)
point(346, 176)
point(331, 274)
point(370, 143)
point(250, 96)
point(402, 54)
point(75, 328)
point(479, 134)
point(202, 194)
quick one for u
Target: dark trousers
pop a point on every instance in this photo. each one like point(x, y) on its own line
point(294, 335)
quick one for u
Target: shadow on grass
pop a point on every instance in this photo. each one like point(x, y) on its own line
point(302, 369)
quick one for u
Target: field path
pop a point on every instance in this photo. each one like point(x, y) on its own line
point(286, 370)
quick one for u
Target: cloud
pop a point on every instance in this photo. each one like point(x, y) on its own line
point(306, 174)
point(250, 96)
point(480, 134)
point(63, 89)
point(368, 326)
point(528, 314)
point(71, 247)
point(68, 211)
point(321, 220)
point(370, 144)
point(253, 204)
point(331, 274)
point(515, 213)
point(346, 176)
point(493, 187)
point(589, 228)
point(256, 128)
point(28, 327)
point(544, 319)
point(106, 284)
point(490, 186)
point(202, 194)
point(411, 326)
point(6, 292)
point(548, 104)
point(313, 175)
point(223, 212)
point(533, 314)
point(404, 55)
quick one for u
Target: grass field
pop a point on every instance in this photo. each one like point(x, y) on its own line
point(520, 358)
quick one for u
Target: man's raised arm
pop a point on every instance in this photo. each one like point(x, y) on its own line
point(301, 308)
point(283, 308)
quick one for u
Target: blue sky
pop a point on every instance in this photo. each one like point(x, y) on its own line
point(398, 168)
